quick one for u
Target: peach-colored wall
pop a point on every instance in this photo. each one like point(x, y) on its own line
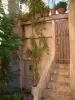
point(72, 44)
point(48, 34)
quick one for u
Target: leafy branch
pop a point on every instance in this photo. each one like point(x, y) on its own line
point(9, 41)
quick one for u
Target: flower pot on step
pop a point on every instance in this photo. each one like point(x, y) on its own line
point(61, 10)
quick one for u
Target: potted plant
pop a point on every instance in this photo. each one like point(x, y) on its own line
point(36, 7)
point(53, 10)
point(46, 11)
point(38, 14)
point(26, 16)
point(39, 8)
point(61, 7)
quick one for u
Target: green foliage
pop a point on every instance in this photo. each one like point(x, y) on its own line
point(9, 41)
point(46, 8)
point(40, 6)
point(4, 97)
point(36, 6)
point(37, 51)
point(26, 16)
point(15, 96)
point(61, 5)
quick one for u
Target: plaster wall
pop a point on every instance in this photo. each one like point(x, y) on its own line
point(48, 34)
point(72, 44)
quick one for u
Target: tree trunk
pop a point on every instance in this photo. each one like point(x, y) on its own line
point(72, 43)
point(13, 6)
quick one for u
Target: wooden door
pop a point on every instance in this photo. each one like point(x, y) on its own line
point(29, 76)
point(62, 42)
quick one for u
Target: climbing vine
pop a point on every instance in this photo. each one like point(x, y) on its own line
point(37, 6)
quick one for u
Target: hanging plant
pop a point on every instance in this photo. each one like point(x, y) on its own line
point(46, 11)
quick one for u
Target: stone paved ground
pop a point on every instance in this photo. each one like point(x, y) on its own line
point(27, 96)
point(58, 87)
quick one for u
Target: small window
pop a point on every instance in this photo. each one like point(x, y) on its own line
point(30, 67)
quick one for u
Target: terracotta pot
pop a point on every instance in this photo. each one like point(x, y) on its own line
point(45, 14)
point(53, 11)
point(38, 15)
point(27, 19)
point(61, 10)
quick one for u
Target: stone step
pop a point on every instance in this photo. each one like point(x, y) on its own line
point(63, 72)
point(58, 97)
point(58, 86)
point(46, 99)
point(52, 93)
point(66, 66)
point(59, 78)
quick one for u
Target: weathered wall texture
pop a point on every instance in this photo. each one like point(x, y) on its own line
point(72, 43)
point(48, 34)
point(47, 61)
point(25, 32)
point(18, 29)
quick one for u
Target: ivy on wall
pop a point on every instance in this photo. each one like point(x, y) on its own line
point(37, 48)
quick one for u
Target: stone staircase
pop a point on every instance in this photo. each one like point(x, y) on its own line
point(58, 87)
